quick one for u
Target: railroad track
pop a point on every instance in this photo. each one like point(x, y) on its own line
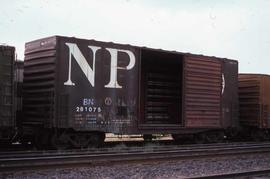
point(246, 174)
point(33, 159)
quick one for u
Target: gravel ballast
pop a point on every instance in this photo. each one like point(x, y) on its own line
point(164, 169)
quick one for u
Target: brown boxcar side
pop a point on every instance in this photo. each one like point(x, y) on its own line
point(211, 92)
point(203, 79)
point(103, 96)
point(202, 90)
point(87, 85)
point(70, 83)
point(254, 99)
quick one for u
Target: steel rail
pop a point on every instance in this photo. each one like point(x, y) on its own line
point(76, 158)
point(24, 153)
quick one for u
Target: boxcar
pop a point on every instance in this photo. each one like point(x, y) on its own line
point(7, 115)
point(76, 90)
point(254, 99)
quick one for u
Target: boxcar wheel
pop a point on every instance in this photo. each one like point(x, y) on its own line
point(199, 138)
point(60, 142)
point(96, 139)
point(41, 141)
point(214, 137)
point(81, 140)
point(259, 135)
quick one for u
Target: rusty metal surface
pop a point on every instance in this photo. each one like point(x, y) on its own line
point(210, 92)
point(7, 59)
point(203, 87)
point(254, 99)
point(89, 85)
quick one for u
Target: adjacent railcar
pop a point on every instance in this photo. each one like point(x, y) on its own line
point(7, 110)
point(76, 90)
point(254, 99)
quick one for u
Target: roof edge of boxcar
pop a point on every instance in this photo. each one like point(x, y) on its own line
point(141, 47)
point(2, 46)
point(255, 74)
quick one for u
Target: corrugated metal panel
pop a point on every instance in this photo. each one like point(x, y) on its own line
point(254, 99)
point(198, 84)
point(86, 105)
point(39, 83)
point(7, 57)
point(249, 100)
point(203, 81)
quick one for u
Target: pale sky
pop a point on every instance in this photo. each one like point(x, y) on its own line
point(232, 29)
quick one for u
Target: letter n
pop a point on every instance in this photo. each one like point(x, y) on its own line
point(82, 62)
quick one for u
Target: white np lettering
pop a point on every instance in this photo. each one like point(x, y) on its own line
point(113, 77)
point(90, 72)
point(78, 56)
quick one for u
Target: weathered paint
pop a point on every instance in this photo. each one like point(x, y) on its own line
point(254, 99)
point(89, 85)
point(82, 84)
point(230, 105)
point(203, 79)
point(109, 101)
